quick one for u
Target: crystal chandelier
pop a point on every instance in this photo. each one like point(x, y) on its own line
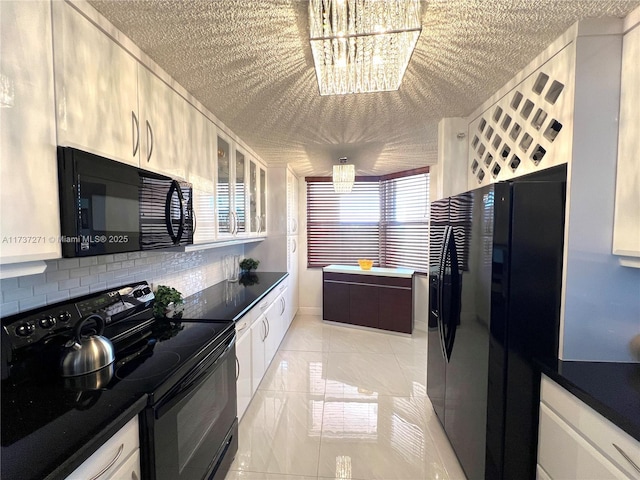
point(362, 46)
point(343, 176)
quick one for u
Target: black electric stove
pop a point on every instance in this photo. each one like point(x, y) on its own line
point(164, 363)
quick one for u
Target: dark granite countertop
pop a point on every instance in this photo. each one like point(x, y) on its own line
point(48, 430)
point(231, 300)
point(51, 434)
point(611, 389)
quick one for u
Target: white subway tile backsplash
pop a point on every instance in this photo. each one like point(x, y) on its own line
point(97, 287)
point(79, 272)
point(68, 284)
point(49, 287)
point(31, 280)
point(7, 309)
point(78, 292)
point(97, 269)
point(9, 284)
point(56, 275)
point(68, 263)
point(72, 277)
point(57, 296)
point(32, 302)
point(17, 294)
point(89, 261)
point(89, 280)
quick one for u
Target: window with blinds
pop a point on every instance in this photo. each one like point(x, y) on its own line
point(404, 224)
point(384, 219)
point(342, 227)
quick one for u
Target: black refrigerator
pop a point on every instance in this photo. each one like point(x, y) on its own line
point(495, 280)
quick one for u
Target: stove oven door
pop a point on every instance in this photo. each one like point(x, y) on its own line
point(192, 431)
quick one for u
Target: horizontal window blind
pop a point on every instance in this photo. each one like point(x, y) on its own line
point(384, 219)
point(341, 228)
point(404, 236)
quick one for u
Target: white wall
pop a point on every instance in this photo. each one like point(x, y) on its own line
point(310, 279)
point(73, 277)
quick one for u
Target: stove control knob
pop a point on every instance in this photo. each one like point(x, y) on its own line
point(25, 329)
point(47, 322)
point(64, 317)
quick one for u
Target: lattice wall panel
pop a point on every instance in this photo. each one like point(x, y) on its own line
point(528, 129)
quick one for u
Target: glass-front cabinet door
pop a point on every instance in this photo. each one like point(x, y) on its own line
point(257, 198)
point(224, 188)
point(240, 205)
point(262, 212)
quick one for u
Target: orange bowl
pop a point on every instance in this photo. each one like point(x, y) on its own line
point(365, 264)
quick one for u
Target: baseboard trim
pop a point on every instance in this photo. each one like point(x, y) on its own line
point(310, 311)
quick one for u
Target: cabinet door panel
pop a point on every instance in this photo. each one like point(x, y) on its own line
point(335, 302)
point(396, 309)
point(162, 126)
point(363, 305)
point(258, 331)
point(224, 187)
point(27, 136)
point(96, 88)
point(244, 373)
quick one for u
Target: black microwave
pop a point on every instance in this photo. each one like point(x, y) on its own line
point(110, 207)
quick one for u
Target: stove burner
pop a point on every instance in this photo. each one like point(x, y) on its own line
point(138, 369)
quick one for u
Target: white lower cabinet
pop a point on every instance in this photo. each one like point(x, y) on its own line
point(576, 442)
point(118, 458)
point(243, 365)
point(260, 333)
point(258, 336)
point(130, 469)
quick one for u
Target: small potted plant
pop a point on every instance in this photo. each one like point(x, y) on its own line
point(168, 302)
point(248, 264)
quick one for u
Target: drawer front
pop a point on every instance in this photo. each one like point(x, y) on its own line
point(603, 434)
point(368, 279)
point(565, 455)
point(112, 455)
point(130, 469)
point(244, 324)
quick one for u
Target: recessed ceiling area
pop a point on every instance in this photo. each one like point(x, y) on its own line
point(249, 62)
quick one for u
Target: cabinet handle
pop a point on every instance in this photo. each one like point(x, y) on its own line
point(245, 326)
point(294, 227)
point(284, 306)
point(627, 458)
point(295, 245)
point(264, 324)
point(111, 463)
point(150, 140)
point(135, 132)
point(263, 306)
point(259, 223)
point(237, 369)
point(134, 476)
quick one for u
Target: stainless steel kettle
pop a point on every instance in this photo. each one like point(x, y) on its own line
point(86, 354)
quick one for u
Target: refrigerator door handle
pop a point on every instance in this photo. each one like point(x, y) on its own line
point(455, 298)
point(442, 320)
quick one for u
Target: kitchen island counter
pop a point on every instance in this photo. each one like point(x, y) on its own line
point(376, 271)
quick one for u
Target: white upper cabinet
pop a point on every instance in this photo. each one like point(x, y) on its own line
point(96, 88)
point(163, 126)
point(626, 234)
point(225, 180)
point(29, 215)
point(201, 135)
point(257, 198)
point(292, 203)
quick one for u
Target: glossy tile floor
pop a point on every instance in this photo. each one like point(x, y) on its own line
point(343, 403)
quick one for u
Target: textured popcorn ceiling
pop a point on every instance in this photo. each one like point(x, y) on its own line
point(249, 62)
